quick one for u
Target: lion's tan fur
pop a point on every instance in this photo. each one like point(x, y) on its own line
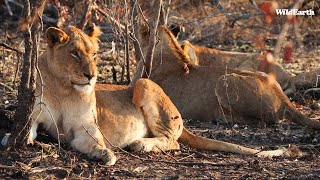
point(245, 61)
point(208, 93)
point(95, 121)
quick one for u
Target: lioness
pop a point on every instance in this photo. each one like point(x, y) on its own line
point(207, 93)
point(75, 110)
point(263, 62)
point(245, 61)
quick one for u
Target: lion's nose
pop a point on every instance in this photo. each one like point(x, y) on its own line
point(89, 76)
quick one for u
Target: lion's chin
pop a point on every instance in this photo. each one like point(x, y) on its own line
point(86, 89)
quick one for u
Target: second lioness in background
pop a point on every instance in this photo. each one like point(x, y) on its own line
point(263, 62)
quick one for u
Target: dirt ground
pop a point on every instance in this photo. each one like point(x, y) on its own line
point(204, 26)
point(45, 161)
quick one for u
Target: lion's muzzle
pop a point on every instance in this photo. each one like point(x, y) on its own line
point(84, 84)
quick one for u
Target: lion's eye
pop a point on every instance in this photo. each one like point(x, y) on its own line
point(75, 55)
point(94, 55)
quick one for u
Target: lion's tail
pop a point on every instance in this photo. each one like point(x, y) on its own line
point(295, 116)
point(291, 113)
point(198, 142)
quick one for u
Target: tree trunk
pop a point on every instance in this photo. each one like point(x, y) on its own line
point(30, 25)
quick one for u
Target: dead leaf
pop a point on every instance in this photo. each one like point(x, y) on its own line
point(140, 169)
point(288, 54)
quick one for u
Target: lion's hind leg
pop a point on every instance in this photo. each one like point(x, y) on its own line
point(162, 118)
point(247, 98)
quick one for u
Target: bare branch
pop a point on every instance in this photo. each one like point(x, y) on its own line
point(6, 86)
point(152, 41)
point(11, 48)
point(8, 7)
point(87, 7)
point(91, 135)
point(284, 31)
point(121, 26)
point(127, 60)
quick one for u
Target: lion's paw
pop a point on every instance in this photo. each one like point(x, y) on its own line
point(141, 146)
point(106, 155)
point(30, 141)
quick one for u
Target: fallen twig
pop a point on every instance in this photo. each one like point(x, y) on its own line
point(7, 87)
point(168, 154)
point(9, 167)
point(41, 169)
point(25, 167)
point(186, 157)
point(11, 48)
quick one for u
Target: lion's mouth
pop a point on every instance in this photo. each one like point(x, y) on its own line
point(83, 87)
point(80, 83)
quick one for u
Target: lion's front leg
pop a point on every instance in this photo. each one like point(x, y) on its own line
point(162, 117)
point(89, 140)
point(156, 144)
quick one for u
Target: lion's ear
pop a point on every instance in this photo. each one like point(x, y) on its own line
point(176, 29)
point(92, 30)
point(56, 36)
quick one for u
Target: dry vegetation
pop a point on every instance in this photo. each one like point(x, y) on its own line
point(230, 25)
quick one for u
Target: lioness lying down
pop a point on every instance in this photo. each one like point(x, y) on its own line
point(244, 61)
point(208, 93)
point(142, 117)
point(253, 62)
point(263, 62)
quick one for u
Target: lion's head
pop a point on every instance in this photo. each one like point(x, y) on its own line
point(72, 56)
point(166, 48)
